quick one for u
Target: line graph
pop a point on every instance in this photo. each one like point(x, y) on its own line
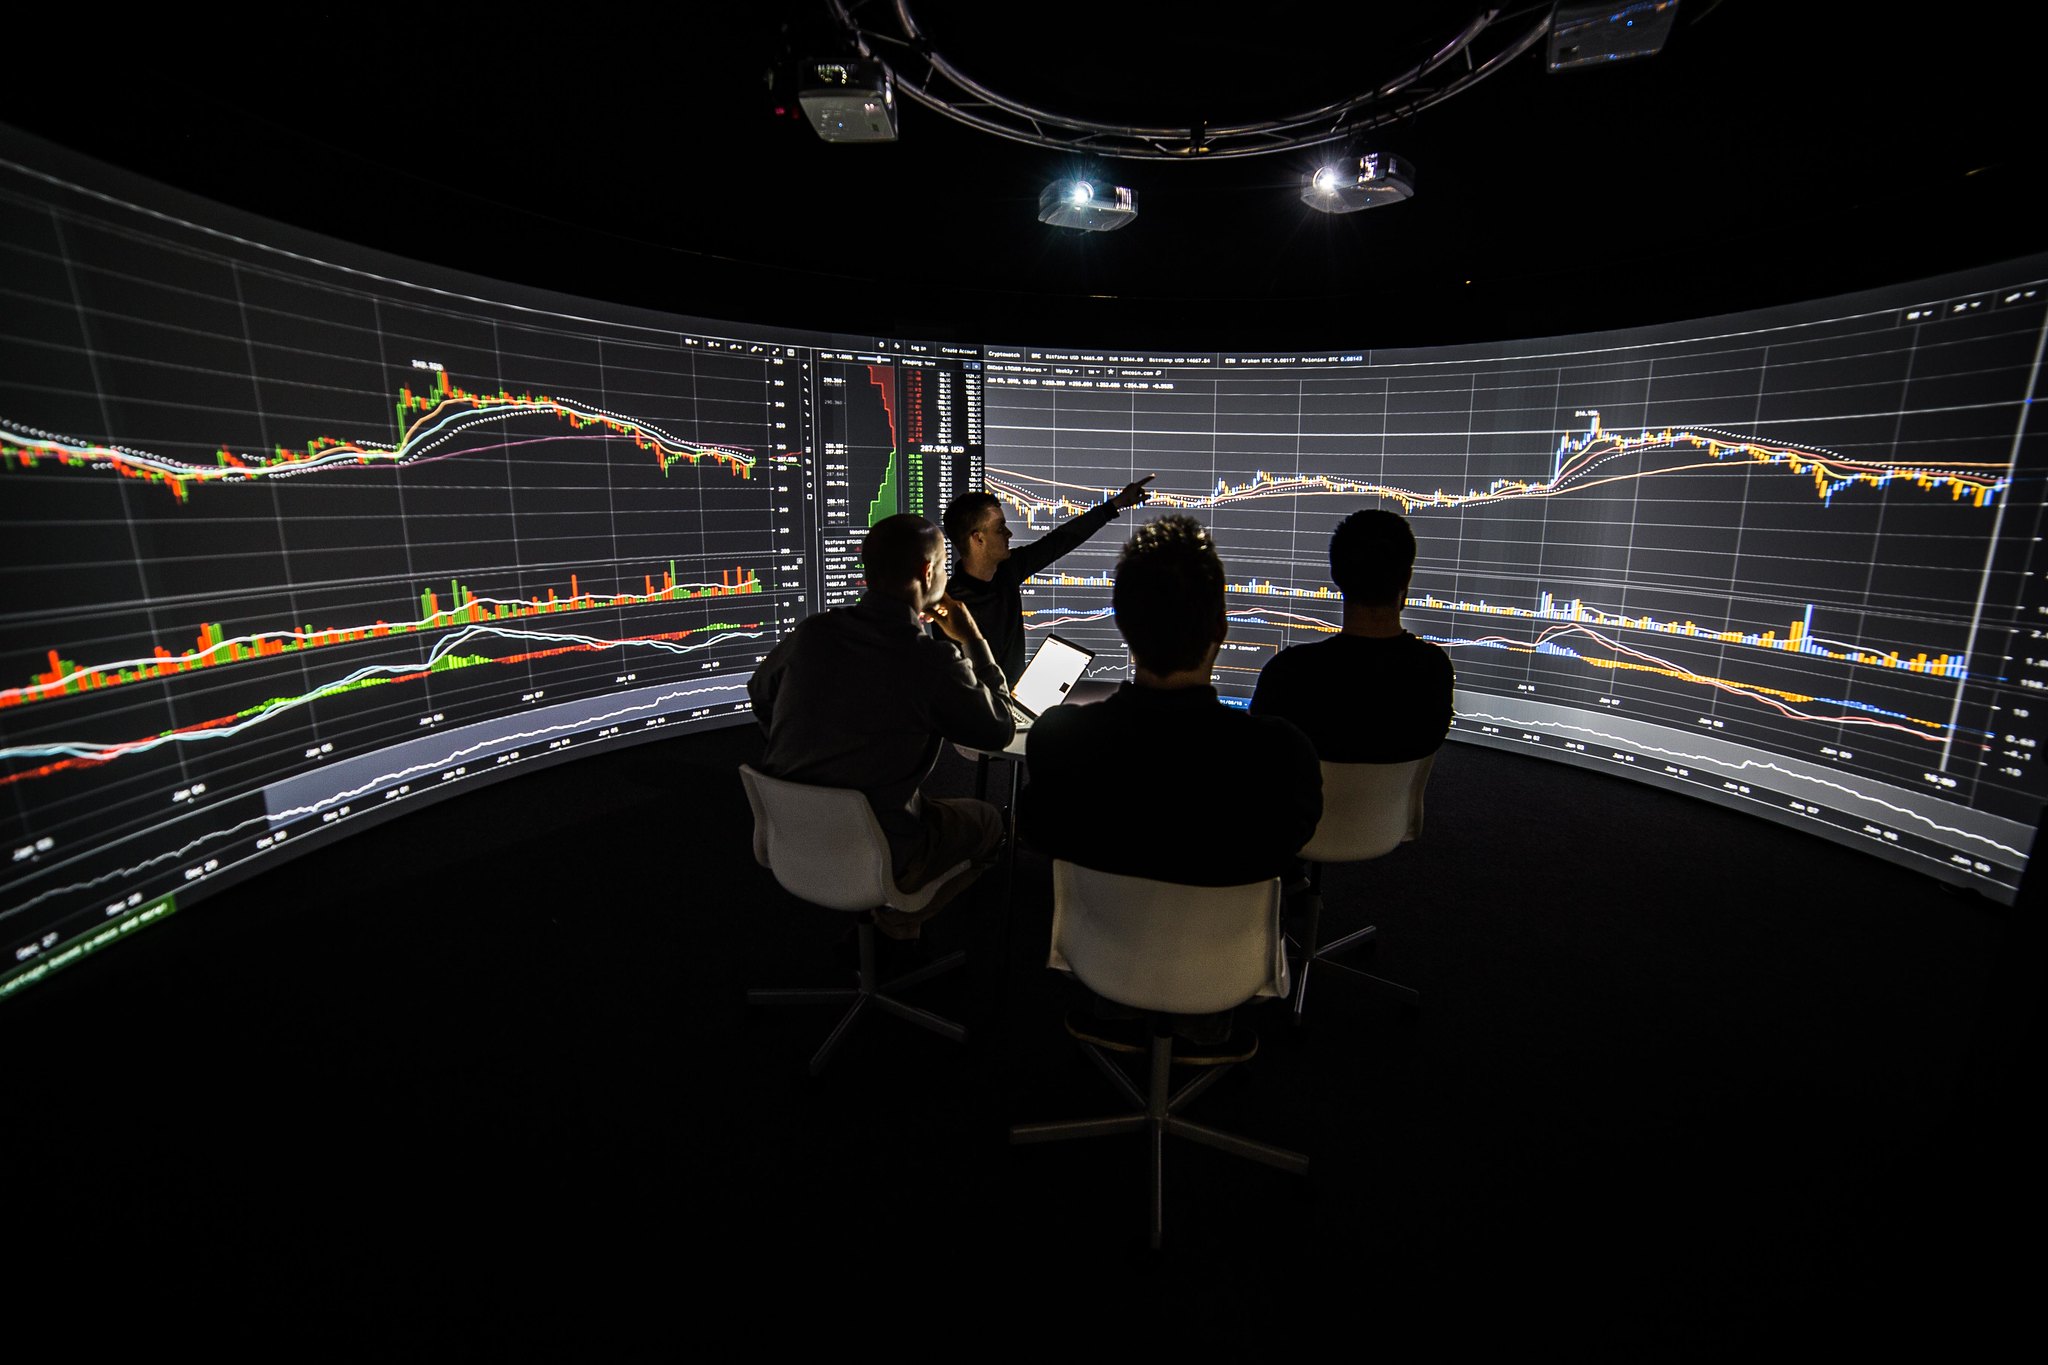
point(1795, 532)
point(445, 656)
point(446, 411)
point(1626, 658)
point(272, 515)
point(1799, 637)
point(214, 648)
point(1553, 642)
point(646, 707)
point(1579, 462)
point(296, 536)
point(1912, 809)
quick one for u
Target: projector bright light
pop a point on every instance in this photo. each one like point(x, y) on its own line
point(849, 102)
point(1359, 182)
point(1087, 206)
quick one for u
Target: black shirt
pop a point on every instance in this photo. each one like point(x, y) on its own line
point(998, 603)
point(1172, 785)
point(861, 697)
point(1361, 698)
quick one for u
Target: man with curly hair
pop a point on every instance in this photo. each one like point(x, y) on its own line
point(1161, 779)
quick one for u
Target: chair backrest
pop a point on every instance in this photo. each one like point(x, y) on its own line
point(1165, 946)
point(822, 843)
point(1369, 809)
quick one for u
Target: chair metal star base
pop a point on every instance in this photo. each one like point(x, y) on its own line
point(1159, 1118)
point(824, 846)
point(1312, 952)
point(869, 990)
point(1369, 810)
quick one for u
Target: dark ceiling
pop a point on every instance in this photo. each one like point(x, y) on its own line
point(1773, 151)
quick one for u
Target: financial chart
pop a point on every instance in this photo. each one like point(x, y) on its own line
point(299, 537)
point(293, 543)
point(894, 427)
point(1788, 562)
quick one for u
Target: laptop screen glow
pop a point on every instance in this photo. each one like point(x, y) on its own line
point(1056, 667)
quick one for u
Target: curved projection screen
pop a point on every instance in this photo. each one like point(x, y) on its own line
point(299, 536)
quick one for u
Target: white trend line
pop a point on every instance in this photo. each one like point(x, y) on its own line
point(1725, 765)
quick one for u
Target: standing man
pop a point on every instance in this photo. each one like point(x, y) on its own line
point(1374, 693)
point(862, 697)
point(989, 577)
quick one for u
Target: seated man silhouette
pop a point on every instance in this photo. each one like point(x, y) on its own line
point(1161, 779)
point(1373, 693)
point(862, 697)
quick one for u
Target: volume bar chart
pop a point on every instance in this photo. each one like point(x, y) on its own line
point(292, 530)
point(213, 648)
point(1806, 534)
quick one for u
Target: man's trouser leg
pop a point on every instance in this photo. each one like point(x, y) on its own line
point(955, 828)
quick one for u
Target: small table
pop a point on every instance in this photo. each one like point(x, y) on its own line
point(1014, 752)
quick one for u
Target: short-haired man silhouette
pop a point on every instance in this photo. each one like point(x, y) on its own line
point(862, 697)
point(988, 576)
point(1372, 693)
point(1161, 779)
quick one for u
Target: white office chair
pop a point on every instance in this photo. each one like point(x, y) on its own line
point(825, 846)
point(1173, 949)
point(1369, 810)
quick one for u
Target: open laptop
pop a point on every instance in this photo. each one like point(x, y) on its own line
point(1047, 679)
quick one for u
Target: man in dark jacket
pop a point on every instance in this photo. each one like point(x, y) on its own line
point(862, 697)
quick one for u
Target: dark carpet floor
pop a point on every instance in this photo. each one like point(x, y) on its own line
point(1682, 1082)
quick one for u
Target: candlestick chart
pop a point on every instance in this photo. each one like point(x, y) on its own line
point(1800, 544)
point(296, 536)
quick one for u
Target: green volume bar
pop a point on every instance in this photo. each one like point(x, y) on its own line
point(887, 500)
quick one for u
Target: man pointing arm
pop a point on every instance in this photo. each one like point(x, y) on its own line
point(988, 576)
